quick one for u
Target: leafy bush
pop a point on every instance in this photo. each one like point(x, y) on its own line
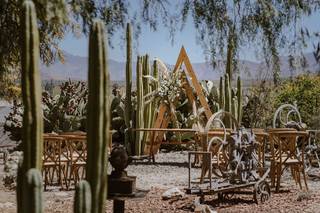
point(303, 90)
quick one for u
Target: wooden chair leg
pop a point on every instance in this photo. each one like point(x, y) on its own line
point(305, 177)
point(272, 174)
point(279, 168)
point(299, 176)
point(293, 173)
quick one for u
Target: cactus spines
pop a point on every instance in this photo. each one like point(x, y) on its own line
point(33, 190)
point(139, 110)
point(227, 92)
point(31, 89)
point(239, 97)
point(98, 120)
point(82, 202)
point(29, 181)
point(128, 105)
point(221, 94)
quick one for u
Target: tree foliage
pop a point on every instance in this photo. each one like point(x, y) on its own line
point(305, 92)
point(269, 25)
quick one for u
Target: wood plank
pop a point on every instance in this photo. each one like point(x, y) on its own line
point(196, 83)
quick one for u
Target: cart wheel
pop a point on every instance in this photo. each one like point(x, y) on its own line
point(261, 192)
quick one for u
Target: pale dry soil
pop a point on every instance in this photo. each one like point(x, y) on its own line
point(171, 171)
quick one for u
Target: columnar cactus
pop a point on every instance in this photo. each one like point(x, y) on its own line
point(239, 98)
point(155, 87)
point(234, 107)
point(29, 182)
point(227, 92)
point(83, 198)
point(147, 114)
point(31, 89)
point(33, 181)
point(139, 110)
point(98, 119)
point(221, 94)
point(128, 104)
point(230, 56)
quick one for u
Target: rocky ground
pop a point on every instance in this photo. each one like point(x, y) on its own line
point(171, 171)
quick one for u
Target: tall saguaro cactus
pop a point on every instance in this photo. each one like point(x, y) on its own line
point(128, 105)
point(29, 182)
point(98, 120)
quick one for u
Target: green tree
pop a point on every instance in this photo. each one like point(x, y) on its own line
point(304, 90)
point(268, 25)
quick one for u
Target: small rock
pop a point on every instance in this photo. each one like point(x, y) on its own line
point(204, 209)
point(304, 196)
point(172, 193)
point(61, 194)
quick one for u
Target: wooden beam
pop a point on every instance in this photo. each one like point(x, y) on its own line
point(195, 83)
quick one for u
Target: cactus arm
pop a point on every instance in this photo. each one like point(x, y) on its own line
point(33, 189)
point(83, 198)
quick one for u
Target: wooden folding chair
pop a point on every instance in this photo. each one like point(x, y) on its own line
point(53, 169)
point(77, 147)
point(285, 154)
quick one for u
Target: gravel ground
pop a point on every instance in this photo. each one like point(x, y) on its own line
point(171, 171)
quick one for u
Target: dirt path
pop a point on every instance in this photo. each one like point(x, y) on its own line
point(171, 171)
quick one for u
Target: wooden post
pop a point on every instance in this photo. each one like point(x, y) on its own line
point(118, 206)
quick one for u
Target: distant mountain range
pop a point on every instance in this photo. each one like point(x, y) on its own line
point(76, 68)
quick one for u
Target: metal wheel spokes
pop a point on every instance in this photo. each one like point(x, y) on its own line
point(285, 119)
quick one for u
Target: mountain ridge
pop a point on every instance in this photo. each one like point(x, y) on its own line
point(75, 68)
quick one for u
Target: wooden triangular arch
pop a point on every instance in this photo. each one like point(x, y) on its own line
point(163, 118)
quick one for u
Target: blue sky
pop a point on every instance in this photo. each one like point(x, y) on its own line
point(158, 44)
